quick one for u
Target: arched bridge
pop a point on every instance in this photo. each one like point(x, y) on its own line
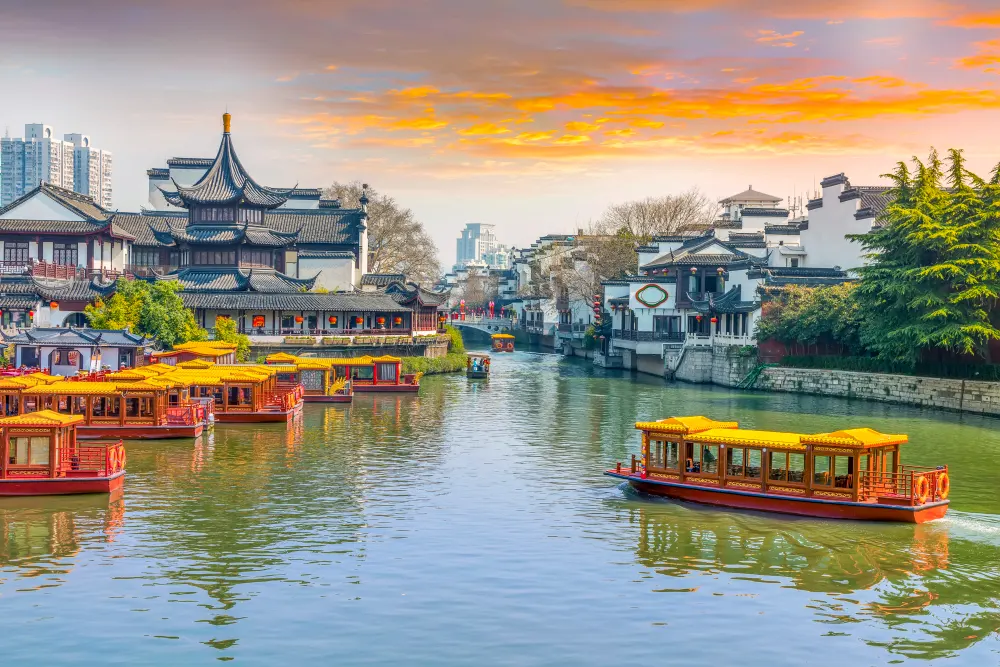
point(487, 325)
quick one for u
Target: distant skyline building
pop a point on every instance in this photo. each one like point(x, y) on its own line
point(70, 163)
point(477, 243)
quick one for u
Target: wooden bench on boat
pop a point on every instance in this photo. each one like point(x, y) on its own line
point(847, 474)
point(41, 456)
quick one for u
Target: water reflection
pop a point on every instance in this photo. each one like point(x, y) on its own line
point(921, 583)
point(40, 539)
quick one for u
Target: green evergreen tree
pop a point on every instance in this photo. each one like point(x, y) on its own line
point(151, 309)
point(934, 261)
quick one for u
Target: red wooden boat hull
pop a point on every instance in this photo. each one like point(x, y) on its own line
point(812, 507)
point(256, 417)
point(327, 399)
point(139, 432)
point(387, 388)
point(62, 486)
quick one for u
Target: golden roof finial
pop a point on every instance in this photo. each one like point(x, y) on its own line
point(226, 118)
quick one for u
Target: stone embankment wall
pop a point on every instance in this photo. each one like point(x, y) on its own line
point(955, 395)
point(722, 365)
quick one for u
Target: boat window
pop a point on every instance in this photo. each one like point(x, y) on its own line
point(797, 468)
point(693, 460)
point(735, 462)
point(823, 470)
point(363, 372)
point(29, 451)
point(710, 459)
point(656, 454)
point(702, 459)
point(79, 405)
point(673, 455)
point(743, 462)
point(843, 472)
point(787, 467)
point(62, 405)
point(131, 407)
point(387, 372)
point(663, 455)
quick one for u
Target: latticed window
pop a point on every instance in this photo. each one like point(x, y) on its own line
point(65, 253)
point(15, 252)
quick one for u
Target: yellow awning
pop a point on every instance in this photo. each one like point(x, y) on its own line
point(684, 425)
point(41, 418)
point(861, 438)
point(749, 438)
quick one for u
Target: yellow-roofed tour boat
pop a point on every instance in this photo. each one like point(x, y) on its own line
point(848, 474)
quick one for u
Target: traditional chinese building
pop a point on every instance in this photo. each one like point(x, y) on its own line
point(236, 247)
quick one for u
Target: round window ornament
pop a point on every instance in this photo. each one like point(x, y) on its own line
point(651, 295)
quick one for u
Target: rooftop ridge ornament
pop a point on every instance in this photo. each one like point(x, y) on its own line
point(226, 122)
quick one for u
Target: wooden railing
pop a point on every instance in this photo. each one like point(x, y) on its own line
point(95, 459)
point(903, 486)
point(184, 415)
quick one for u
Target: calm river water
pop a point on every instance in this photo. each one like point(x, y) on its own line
point(471, 525)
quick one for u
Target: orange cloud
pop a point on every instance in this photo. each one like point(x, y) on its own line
point(989, 20)
point(987, 59)
point(483, 129)
point(774, 38)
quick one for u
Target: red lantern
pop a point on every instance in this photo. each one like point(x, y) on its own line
point(714, 320)
point(380, 321)
point(333, 320)
point(258, 321)
point(694, 270)
point(54, 305)
point(397, 320)
point(31, 313)
point(698, 317)
point(298, 319)
point(358, 320)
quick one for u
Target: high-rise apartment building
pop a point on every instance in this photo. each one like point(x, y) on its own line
point(477, 240)
point(70, 162)
point(91, 169)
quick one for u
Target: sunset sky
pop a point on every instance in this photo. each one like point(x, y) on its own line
point(531, 114)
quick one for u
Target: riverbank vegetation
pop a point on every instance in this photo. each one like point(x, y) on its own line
point(926, 298)
point(452, 362)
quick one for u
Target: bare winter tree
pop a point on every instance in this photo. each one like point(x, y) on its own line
point(669, 214)
point(611, 242)
point(397, 241)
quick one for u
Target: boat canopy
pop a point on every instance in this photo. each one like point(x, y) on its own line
point(684, 425)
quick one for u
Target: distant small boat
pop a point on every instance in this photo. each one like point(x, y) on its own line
point(477, 366)
point(849, 474)
point(41, 457)
point(503, 342)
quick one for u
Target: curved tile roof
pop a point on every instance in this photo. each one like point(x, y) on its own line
point(227, 182)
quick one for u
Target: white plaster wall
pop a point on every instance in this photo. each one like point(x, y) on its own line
point(334, 274)
point(47, 251)
point(81, 253)
point(33, 250)
point(118, 255)
point(825, 240)
point(40, 207)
